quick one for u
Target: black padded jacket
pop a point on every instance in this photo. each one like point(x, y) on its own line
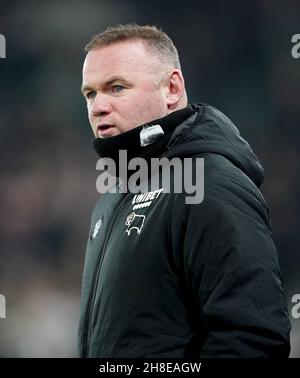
point(164, 278)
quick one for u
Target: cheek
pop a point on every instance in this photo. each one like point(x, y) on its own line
point(92, 121)
point(125, 102)
point(154, 103)
point(91, 118)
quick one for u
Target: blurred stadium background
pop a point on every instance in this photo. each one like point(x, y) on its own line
point(235, 56)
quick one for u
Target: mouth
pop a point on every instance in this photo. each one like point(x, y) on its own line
point(104, 130)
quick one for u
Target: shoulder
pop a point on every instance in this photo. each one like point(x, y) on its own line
point(227, 191)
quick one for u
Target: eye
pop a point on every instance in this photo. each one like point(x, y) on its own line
point(91, 94)
point(117, 88)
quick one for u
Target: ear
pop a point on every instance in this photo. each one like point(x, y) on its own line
point(175, 89)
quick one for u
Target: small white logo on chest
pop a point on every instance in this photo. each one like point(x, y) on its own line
point(97, 228)
point(134, 222)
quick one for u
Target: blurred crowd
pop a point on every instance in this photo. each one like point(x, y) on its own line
point(235, 56)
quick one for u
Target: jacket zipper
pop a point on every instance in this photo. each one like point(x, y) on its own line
point(91, 301)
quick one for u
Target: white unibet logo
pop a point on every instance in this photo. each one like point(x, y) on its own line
point(2, 306)
point(296, 48)
point(2, 46)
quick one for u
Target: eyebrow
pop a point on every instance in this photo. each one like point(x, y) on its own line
point(85, 87)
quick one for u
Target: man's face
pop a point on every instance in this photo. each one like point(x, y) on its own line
point(121, 89)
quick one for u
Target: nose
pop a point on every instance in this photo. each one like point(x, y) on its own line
point(100, 106)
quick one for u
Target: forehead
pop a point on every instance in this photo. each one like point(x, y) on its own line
point(129, 56)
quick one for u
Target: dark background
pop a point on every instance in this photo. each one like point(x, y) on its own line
point(236, 55)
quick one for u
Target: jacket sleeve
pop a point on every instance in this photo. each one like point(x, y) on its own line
point(231, 268)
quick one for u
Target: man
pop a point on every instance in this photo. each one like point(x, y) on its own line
point(164, 278)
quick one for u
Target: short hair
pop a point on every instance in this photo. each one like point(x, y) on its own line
point(154, 39)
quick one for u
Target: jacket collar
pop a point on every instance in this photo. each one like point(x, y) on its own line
point(130, 140)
